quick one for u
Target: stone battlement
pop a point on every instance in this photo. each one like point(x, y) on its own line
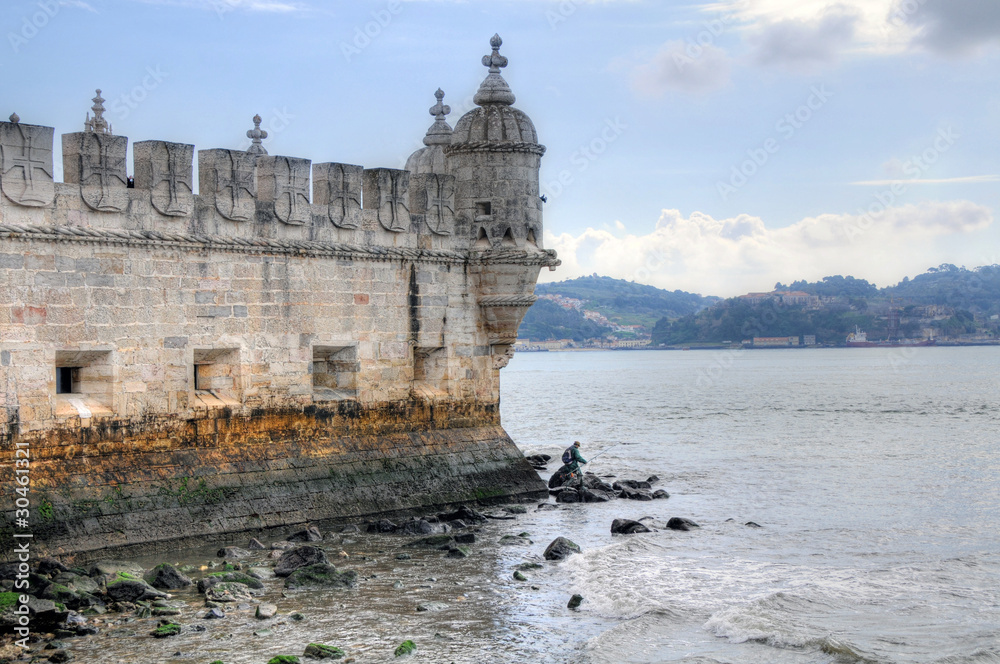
point(325, 331)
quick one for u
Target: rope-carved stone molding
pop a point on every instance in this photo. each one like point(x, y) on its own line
point(195, 242)
point(507, 300)
point(487, 146)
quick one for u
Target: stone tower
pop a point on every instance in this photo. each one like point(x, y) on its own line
point(495, 156)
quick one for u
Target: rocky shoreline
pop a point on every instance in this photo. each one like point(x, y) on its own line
point(72, 608)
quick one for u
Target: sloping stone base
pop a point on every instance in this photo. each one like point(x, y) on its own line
point(135, 488)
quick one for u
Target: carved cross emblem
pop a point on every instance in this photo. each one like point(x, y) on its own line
point(440, 209)
point(33, 162)
point(393, 211)
point(294, 186)
point(172, 171)
point(342, 197)
point(101, 161)
point(239, 180)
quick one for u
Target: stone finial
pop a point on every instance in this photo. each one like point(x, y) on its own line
point(494, 89)
point(14, 118)
point(256, 135)
point(495, 61)
point(97, 124)
point(439, 132)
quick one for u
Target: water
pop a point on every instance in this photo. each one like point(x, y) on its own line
point(874, 473)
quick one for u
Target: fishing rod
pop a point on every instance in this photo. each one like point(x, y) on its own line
point(604, 450)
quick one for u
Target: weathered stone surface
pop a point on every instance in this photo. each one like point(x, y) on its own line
point(165, 170)
point(228, 180)
point(310, 534)
point(96, 162)
point(337, 190)
point(128, 590)
point(321, 575)
point(26, 164)
point(680, 523)
point(166, 577)
point(561, 548)
point(387, 192)
point(228, 592)
point(322, 651)
point(302, 556)
point(627, 527)
point(283, 188)
point(265, 611)
point(433, 196)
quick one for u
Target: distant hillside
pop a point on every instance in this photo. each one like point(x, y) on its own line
point(594, 307)
point(945, 303)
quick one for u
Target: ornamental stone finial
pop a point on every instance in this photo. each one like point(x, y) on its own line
point(256, 135)
point(494, 90)
point(14, 118)
point(97, 124)
point(439, 132)
point(495, 61)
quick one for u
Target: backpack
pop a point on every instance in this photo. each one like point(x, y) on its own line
point(567, 456)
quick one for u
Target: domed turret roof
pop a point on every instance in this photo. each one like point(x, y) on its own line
point(431, 158)
point(496, 120)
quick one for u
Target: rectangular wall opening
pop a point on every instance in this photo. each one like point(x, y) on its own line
point(335, 372)
point(84, 383)
point(430, 372)
point(484, 210)
point(216, 376)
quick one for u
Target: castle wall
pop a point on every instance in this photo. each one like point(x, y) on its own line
point(294, 343)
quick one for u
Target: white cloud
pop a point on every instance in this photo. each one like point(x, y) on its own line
point(799, 43)
point(732, 256)
point(968, 179)
point(223, 6)
point(953, 27)
point(682, 66)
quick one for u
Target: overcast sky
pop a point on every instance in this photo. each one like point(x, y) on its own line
point(713, 147)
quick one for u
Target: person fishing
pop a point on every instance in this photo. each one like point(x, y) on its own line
point(572, 458)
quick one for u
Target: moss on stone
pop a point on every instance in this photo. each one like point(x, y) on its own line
point(284, 659)
point(322, 651)
point(8, 599)
point(405, 648)
point(163, 631)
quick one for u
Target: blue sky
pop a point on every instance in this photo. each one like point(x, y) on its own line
point(714, 147)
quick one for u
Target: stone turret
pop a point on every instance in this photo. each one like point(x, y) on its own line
point(431, 159)
point(495, 157)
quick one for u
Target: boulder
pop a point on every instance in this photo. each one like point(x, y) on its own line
point(660, 494)
point(652, 479)
point(214, 614)
point(680, 523)
point(46, 566)
point(630, 493)
point(166, 577)
point(382, 526)
point(465, 538)
point(265, 611)
point(459, 552)
point(631, 484)
point(310, 534)
point(109, 568)
point(417, 527)
point(592, 481)
point(321, 575)
point(753, 524)
point(463, 513)
point(405, 648)
point(562, 477)
point(593, 495)
point(233, 553)
point(431, 606)
point(302, 556)
point(574, 602)
point(228, 591)
point(321, 651)
point(568, 495)
point(256, 545)
point(132, 590)
point(215, 579)
point(561, 548)
point(627, 527)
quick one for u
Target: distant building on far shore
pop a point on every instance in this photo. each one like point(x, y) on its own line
point(775, 342)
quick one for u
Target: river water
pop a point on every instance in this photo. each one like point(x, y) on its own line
point(873, 473)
